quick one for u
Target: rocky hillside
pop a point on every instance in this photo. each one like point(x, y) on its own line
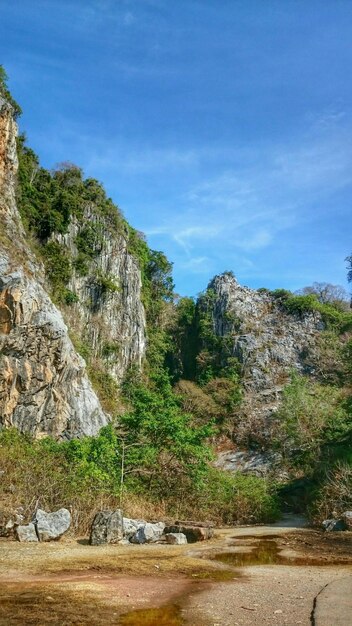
point(44, 387)
point(268, 340)
point(258, 339)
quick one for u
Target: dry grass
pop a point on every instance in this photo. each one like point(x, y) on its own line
point(43, 605)
point(67, 583)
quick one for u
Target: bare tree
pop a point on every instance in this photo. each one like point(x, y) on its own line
point(327, 293)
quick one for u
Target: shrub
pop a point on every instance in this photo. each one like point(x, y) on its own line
point(236, 498)
point(4, 92)
point(58, 267)
point(311, 417)
point(334, 496)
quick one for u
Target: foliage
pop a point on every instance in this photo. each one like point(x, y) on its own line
point(104, 384)
point(181, 358)
point(214, 358)
point(84, 475)
point(105, 282)
point(331, 314)
point(326, 293)
point(4, 92)
point(311, 418)
point(196, 401)
point(58, 268)
point(89, 240)
point(79, 474)
point(281, 294)
point(166, 451)
point(334, 495)
point(239, 498)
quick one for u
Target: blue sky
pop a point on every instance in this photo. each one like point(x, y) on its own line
point(222, 128)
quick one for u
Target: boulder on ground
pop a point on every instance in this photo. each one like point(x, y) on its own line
point(130, 526)
point(107, 527)
point(26, 533)
point(51, 526)
point(193, 533)
point(149, 533)
point(347, 518)
point(333, 525)
point(176, 539)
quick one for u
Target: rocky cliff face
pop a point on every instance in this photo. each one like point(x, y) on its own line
point(268, 342)
point(111, 321)
point(44, 387)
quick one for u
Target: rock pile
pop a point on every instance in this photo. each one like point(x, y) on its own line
point(44, 526)
point(111, 527)
point(344, 523)
point(191, 530)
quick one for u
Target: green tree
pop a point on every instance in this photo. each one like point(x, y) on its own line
point(5, 93)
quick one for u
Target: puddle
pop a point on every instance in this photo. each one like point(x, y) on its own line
point(256, 537)
point(164, 616)
point(267, 552)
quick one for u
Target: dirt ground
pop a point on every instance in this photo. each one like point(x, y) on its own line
point(237, 578)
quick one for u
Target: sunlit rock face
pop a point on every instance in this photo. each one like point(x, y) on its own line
point(112, 322)
point(44, 388)
point(268, 342)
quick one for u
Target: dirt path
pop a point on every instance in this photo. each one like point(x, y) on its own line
point(244, 576)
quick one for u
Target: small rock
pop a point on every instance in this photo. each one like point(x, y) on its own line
point(193, 533)
point(278, 612)
point(107, 527)
point(130, 526)
point(176, 538)
point(26, 533)
point(51, 526)
point(333, 525)
point(150, 533)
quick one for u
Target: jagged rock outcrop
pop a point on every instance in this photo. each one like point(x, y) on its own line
point(44, 388)
point(112, 322)
point(269, 343)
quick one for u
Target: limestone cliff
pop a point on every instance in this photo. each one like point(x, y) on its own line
point(44, 387)
point(110, 321)
point(269, 343)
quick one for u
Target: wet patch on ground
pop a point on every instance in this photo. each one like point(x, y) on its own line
point(169, 615)
point(276, 550)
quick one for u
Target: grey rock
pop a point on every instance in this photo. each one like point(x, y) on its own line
point(192, 533)
point(26, 533)
point(177, 539)
point(333, 525)
point(347, 518)
point(247, 462)
point(150, 533)
point(51, 526)
point(130, 526)
point(107, 527)
point(114, 318)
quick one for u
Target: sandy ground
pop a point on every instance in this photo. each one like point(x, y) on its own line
point(73, 584)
